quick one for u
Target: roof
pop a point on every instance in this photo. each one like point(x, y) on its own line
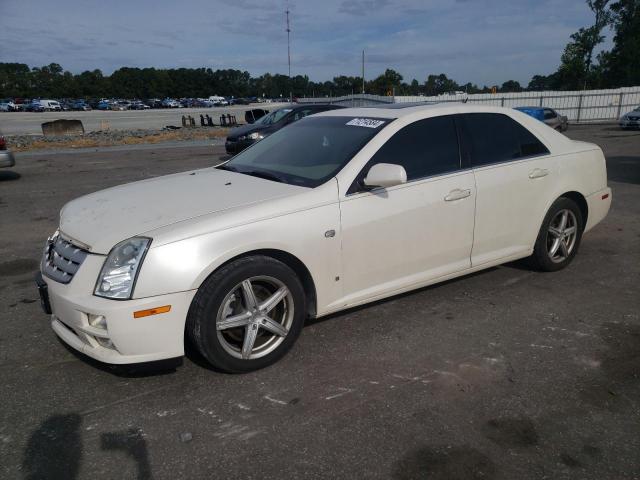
point(397, 110)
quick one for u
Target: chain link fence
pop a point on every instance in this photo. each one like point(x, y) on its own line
point(577, 106)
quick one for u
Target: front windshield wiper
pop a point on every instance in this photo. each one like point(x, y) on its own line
point(265, 175)
point(225, 166)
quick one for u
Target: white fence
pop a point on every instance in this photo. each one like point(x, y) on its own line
point(578, 106)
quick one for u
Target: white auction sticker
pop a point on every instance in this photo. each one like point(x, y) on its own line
point(365, 122)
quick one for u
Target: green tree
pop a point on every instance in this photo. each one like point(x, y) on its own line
point(439, 84)
point(386, 83)
point(576, 67)
point(621, 66)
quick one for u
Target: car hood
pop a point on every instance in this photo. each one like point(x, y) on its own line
point(100, 220)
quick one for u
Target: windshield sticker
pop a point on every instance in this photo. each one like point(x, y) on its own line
point(366, 122)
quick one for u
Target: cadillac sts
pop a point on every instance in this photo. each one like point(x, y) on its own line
point(339, 209)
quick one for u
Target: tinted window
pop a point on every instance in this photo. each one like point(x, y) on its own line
point(302, 113)
point(494, 138)
point(549, 114)
point(424, 148)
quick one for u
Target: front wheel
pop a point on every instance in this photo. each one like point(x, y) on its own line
point(248, 314)
point(559, 236)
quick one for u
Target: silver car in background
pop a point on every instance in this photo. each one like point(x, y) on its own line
point(555, 120)
point(6, 157)
point(631, 119)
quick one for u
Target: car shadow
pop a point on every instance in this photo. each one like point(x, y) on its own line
point(135, 370)
point(8, 176)
point(315, 321)
point(624, 169)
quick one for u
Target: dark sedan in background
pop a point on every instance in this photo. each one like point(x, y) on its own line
point(245, 136)
point(631, 119)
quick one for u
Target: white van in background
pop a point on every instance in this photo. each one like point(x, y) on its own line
point(218, 100)
point(50, 105)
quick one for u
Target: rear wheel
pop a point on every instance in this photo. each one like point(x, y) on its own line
point(559, 236)
point(248, 314)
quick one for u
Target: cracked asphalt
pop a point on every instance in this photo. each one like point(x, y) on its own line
point(502, 374)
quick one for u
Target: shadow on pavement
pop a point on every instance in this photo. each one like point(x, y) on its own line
point(54, 449)
point(624, 169)
point(8, 176)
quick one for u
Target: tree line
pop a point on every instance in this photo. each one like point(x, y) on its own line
point(579, 69)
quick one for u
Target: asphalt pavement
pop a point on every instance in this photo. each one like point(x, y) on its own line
point(503, 374)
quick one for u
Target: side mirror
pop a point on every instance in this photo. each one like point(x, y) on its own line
point(385, 175)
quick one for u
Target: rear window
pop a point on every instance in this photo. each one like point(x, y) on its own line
point(495, 138)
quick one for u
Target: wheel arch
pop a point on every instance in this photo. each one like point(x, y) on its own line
point(581, 201)
point(292, 262)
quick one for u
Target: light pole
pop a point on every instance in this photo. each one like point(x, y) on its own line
point(363, 72)
point(289, 51)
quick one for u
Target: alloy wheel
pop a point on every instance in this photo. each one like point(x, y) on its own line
point(255, 317)
point(562, 235)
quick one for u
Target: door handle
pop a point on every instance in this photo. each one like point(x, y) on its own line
point(457, 194)
point(538, 173)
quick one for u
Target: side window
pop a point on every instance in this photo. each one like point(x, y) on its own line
point(301, 114)
point(424, 148)
point(494, 138)
point(549, 114)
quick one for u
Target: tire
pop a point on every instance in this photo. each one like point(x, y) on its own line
point(556, 246)
point(253, 336)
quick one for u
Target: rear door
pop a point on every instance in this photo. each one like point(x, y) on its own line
point(515, 179)
point(407, 234)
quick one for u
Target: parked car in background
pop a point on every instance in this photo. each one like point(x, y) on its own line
point(50, 105)
point(337, 210)
point(631, 119)
point(104, 105)
point(547, 115)
point(6, 157)
point(80, 105)
point(242, 137)
point(154, 102)
point(8, 106)
point(34, 106)
point(138, 105)
point(218, 101)
point(170, 103)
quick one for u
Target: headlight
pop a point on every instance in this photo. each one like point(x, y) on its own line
point(118, 275)
point(251, 136)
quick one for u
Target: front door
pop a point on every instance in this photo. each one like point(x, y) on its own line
point(409, 234)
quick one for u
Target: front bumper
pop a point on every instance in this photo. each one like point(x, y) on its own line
point(6, 159)
point(126, 339)
point(626, 123)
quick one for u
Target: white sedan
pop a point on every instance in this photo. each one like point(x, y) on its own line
point(337, 210)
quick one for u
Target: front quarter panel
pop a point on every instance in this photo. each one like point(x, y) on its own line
point(183, 265)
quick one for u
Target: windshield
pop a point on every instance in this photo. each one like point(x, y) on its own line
point(308, 152)
point(274, 117)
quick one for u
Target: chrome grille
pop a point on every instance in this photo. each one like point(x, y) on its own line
point(61, 259)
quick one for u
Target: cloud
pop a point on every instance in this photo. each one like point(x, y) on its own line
point(482, 41)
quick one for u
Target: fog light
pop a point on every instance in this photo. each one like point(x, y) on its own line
point(97, 321)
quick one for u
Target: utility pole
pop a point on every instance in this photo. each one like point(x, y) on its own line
point(363, 72)
point(289, 51)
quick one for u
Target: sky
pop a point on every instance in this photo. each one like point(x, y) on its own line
point(482, 41)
